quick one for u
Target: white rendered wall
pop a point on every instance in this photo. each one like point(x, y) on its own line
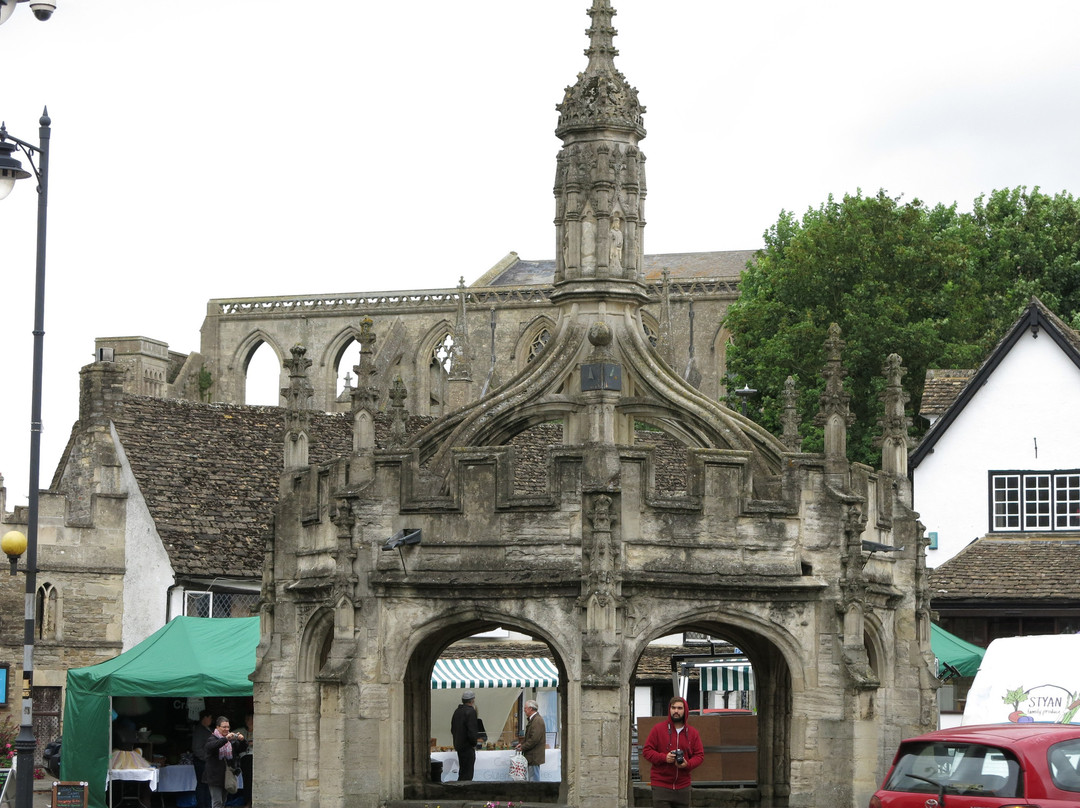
point(148, 572)
point(1031, 399)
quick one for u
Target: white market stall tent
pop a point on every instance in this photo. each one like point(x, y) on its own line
point(498, 683)
point(478, 674)
point(727, 684)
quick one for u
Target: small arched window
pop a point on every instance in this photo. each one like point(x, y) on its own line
point(46, 612)
point(650, 333)
point(539, 342)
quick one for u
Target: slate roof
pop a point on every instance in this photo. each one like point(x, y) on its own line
point(682, 266)
point(993, 569)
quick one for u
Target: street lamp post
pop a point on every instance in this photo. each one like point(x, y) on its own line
point(10, 171)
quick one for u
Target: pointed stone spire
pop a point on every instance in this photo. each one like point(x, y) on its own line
point(665, 346)
point(835, 414)
point(398, 416)
point(493, 379)
point(790, 419)
point(297, 413)
point(600, 173)
point(459, 379)
point(601, 97)
point(692, 375)
point(459, 364)
point(365, 396)
point(895, 426)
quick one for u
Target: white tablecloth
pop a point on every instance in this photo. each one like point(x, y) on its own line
point(494, 766)
point(135, 774)
point(177, 778)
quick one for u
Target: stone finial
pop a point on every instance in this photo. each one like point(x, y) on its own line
point(664, 342)
point(459, 363)
point(365, 396)
point(835, 413)
point(297, 413)
point(790, 419)
point(398, 416)
point(601, 96)
point(895, 439)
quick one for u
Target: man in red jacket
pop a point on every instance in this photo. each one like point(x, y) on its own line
point(669, 743)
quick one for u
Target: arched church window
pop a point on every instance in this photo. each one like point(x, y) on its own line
point(443, 352)
point(46, 612)
point(346, 361)
point(324, 650)
point(650, 334)
point(538, 344)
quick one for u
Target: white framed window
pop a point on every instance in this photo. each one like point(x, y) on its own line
point(1034, 501)
point(1005, 490)
point(1067, 501)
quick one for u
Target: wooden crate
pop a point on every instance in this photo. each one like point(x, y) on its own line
point(730, 743)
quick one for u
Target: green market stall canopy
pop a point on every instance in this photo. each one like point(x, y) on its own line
point(951, 650)
point(188, 657)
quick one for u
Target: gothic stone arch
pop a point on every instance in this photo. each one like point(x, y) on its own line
point(596, 572)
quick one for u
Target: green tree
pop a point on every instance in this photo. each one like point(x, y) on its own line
point(936, 286)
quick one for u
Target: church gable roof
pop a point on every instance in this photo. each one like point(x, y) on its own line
point(1037, 319)
point(725, 264)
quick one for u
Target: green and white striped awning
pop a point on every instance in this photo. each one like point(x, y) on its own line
point(475, 674)
point(725, 676)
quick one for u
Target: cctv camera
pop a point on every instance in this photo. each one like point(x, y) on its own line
point(43, 9)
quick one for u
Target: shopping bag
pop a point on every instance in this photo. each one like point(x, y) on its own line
point(230, 780)
point(519, 768)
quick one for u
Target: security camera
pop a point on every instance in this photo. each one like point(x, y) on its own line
point(43, 9)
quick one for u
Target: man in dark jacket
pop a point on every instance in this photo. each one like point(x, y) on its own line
point(466, 731)
point(669, 743)
point(200, 734)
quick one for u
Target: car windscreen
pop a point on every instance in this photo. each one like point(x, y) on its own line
point(956, 768)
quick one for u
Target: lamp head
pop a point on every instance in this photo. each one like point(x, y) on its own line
point(10, 168)
point(14, 545)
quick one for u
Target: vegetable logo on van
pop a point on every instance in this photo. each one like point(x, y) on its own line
point(1044, 704)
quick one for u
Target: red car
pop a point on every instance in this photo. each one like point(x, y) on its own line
point(986, 766)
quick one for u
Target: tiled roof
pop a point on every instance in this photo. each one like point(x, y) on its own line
point(941, 389)
point(682, 266)
point(209, 474)
point(1013, 569)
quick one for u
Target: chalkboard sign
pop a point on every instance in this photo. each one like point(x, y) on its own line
point(69, 795)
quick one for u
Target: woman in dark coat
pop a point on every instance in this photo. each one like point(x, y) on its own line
point(223, 750)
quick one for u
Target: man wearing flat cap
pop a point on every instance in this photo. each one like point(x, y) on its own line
point(466, 731)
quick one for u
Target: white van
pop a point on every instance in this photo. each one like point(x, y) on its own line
point(1027, 680)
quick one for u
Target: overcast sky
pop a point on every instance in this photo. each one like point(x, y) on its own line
point(262, 147)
